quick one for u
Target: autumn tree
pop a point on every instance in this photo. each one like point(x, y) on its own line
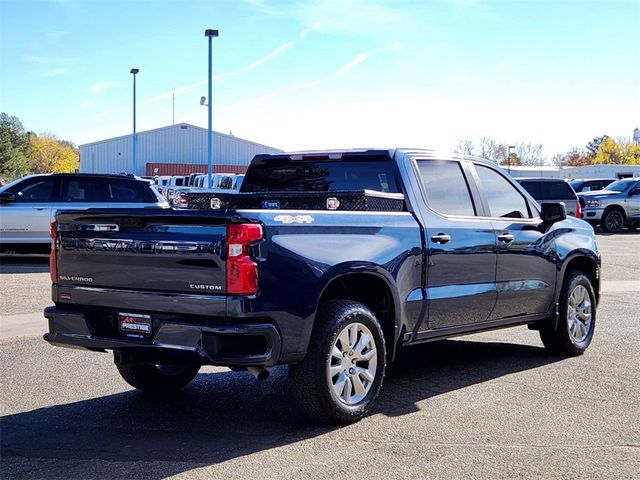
point(14, 147)
point(50, 155)
point(617, 152)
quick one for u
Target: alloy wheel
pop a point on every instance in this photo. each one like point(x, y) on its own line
point(579, 314)
point(614, 221)
point(352, 364)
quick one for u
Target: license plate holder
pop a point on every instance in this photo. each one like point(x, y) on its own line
point(135, 324)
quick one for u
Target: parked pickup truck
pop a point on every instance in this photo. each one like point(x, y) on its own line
point(385, 248)
point(615, 206)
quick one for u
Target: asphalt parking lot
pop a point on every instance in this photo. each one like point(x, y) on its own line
point(491, 405)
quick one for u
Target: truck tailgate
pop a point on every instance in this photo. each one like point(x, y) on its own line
point(143, 251)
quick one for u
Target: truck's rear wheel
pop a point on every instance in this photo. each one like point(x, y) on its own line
point(577, 318)
point(341, 375)
point(158, 378)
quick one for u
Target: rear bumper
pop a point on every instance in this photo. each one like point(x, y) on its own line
point(242, 344)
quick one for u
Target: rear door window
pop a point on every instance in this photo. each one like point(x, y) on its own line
point(446, 188)
point(128, 191)
point(77, 190)
point(504, 200)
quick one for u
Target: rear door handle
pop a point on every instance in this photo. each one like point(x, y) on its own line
point(505, 237)
point(441, 238)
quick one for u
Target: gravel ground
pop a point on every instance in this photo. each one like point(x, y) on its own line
point(491, 405)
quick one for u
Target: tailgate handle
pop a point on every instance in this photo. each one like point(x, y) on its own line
point(99, 227)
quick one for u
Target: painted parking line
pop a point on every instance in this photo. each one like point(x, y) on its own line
point(611, 286)
point(22, 325)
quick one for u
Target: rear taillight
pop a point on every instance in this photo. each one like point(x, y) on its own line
point(242, 272)
point(53, 257)
point(578, 210)
point(183, 200)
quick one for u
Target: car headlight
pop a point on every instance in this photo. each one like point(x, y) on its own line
point(593, 203)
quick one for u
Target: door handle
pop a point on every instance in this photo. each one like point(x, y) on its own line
point(38, 208)
point(441, 238)
point(505, 237)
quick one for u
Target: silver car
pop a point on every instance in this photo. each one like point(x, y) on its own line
point(28, 205)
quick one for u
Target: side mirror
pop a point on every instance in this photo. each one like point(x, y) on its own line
point(635, 191)
point(6, 197)
point(553, 212)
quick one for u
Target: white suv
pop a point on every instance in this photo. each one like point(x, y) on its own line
point(29, 205)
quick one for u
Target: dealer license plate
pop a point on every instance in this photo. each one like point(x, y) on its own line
point(135, 324)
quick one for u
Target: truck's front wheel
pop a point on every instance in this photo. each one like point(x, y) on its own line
point(342, 373)
point(158, 378)
point(577, 318)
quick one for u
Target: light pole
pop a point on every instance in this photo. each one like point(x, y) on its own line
point(134, 71)
point(511, 149)
point(210, 34)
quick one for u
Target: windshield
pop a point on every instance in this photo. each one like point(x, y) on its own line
point(620, 185)
point(576, 184)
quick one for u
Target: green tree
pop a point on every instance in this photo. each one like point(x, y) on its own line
point(594, 145)
point(14, 147)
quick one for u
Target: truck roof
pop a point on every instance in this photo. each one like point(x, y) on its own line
point(352, 153)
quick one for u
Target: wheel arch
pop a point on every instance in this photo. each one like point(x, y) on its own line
point(618, 208)
point(373, 289)
point(585, 262)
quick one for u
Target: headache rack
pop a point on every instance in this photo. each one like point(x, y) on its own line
point(341, 200)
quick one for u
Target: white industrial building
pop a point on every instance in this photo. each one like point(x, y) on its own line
point(587, 171)
point(179, 149)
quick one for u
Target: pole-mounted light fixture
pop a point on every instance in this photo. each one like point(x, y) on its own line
point(210, 34)
point(134, 72)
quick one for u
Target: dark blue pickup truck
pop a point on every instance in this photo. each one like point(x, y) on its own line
point(328, 262)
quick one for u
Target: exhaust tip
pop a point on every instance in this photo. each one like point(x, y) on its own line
point(260, 373)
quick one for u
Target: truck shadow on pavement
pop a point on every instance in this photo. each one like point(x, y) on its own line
point(225, 415)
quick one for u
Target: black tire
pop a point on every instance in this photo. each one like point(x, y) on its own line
point(310, 380)
point(158, 378)
point(612, 221)
point(558, 339)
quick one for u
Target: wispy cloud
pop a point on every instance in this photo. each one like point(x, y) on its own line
point(349, 16)
point(251, 101)
point(101, 86)
point(363, 56)
point(357, 60)
point(255, 64)
point(42, 60)
point(271, 55)
point(56, 35)
point(307, 31)
point(55, 72)
point(48, 67)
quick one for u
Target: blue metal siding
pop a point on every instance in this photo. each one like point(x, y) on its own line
point(178, 144)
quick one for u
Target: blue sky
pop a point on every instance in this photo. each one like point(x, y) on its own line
point(328, 74)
